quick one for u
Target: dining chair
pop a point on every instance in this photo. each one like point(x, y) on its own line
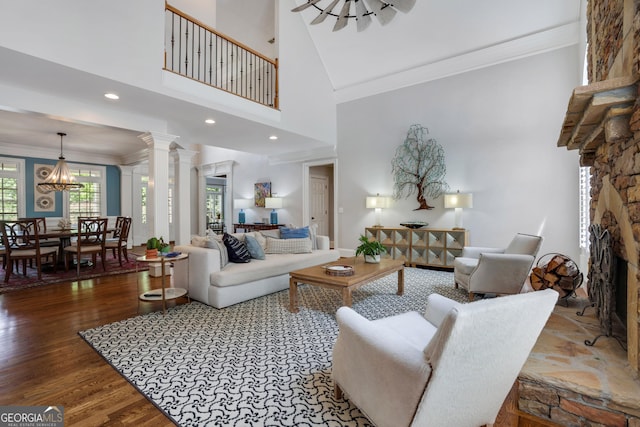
point(119, 239)
point(21, 241)
point(92, 234)
point(41, 224)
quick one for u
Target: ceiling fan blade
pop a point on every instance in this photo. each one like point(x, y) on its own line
point(362, 19)
point(304, 6)
point(320, 18)
point(384, 14)
point(403, 5)
point(343, 18)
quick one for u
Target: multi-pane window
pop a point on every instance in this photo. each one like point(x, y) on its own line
point(89, 200)
point(9, 181)
point(144, 188)
point(214, 203)
point(585, 199)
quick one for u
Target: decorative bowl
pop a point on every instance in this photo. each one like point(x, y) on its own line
point(414, 224)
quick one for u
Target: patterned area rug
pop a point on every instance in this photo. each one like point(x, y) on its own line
point(255, 363)
point(18, 282)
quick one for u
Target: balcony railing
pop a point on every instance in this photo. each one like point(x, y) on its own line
point(196, 51)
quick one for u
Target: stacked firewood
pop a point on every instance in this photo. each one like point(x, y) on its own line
point(559, 273)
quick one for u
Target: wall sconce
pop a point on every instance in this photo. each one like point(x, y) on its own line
point(378, 203)
point(273, 203)
point(241, 204)
point(458, 201)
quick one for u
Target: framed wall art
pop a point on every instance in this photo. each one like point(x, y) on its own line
point(262, 190)
point(43, 200)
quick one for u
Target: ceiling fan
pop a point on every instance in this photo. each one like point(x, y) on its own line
point(383, 10)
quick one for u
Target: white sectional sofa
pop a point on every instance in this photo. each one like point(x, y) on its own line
point(222, 287)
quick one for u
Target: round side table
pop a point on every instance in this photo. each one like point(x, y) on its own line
point(164, 293)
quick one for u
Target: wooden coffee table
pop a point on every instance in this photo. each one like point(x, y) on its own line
point(363, 274)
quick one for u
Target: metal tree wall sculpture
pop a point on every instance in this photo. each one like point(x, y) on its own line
point(418, 166)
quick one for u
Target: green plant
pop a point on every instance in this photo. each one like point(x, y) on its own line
point(369, 247)
point(155, 243)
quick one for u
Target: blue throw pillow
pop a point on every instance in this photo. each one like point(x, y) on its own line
point(254, 247)
point(294, 233)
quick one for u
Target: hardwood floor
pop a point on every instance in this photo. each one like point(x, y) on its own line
point(43, 361)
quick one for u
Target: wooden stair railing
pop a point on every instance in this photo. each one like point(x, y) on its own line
point(198, 52)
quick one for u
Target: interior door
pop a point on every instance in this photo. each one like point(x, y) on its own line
point(319, 198)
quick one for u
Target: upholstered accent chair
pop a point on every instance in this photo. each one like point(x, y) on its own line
point(500, 271)
point(452, 367)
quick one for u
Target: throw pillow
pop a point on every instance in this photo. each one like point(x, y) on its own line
point(275, 233)
point(294, 233)
point(224, 255)
point(313, 235)
point(237, 250)
point(254, 247)
point(288, 246)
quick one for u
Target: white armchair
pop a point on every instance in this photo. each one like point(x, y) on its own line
point(501, 271)
point(453, 367)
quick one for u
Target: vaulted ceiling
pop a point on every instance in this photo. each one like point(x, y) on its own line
point(434, 40)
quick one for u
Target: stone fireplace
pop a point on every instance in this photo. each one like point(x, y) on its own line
point(603, 122)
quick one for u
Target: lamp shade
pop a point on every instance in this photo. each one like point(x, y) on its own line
point(241, 203)
point(458, 200)
point(377, 202)
point(273, 202)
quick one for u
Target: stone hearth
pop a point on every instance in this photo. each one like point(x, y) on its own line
point(572, 384)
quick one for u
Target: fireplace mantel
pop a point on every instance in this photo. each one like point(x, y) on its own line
point(598, 111)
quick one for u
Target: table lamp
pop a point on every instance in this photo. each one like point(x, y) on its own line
point(458, 201)
point(378, 203)
point(241, 204)
point(273, 203)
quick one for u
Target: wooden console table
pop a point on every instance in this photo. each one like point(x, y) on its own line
point(255, 227)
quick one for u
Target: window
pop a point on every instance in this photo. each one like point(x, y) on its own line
point(91, 199)
point(215, 203)
point(11, 188)
point(585, 199)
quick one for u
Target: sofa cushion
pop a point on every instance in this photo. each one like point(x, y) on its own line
point(288, 246)
point(465, 265)
point(273, 265)
point(294, 233)
point(254, 248)
point(237, 250)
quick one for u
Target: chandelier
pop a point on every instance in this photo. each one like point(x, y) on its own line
point(60, 178)
point(383, 10)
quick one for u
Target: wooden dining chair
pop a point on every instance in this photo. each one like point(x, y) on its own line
point(41, 224)
point(92, 234)
point(119, 239)
point(21, 241)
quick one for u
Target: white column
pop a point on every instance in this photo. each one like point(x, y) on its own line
point(126, 196)
point(158, 190)
point(182, 195)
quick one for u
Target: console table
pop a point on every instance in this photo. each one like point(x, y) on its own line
point(432, 247)
point(255, 227)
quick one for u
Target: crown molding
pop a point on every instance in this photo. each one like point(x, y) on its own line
point(529, 45)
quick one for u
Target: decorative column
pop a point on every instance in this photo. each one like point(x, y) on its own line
point(126, 197)
point(158, 190)
point(182, 195)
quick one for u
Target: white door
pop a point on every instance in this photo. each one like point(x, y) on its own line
point(319, 198)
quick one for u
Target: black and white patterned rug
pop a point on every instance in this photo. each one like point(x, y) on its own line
point(254, 363)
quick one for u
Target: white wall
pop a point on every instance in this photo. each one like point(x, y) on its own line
point(249, 169)
point(498, 126)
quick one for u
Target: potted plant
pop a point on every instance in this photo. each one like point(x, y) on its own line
point(371, 249)
point(155, 245)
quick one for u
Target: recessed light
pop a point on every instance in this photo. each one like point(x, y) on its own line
point(111, 96)
point(273, 137)
point(209, 121)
